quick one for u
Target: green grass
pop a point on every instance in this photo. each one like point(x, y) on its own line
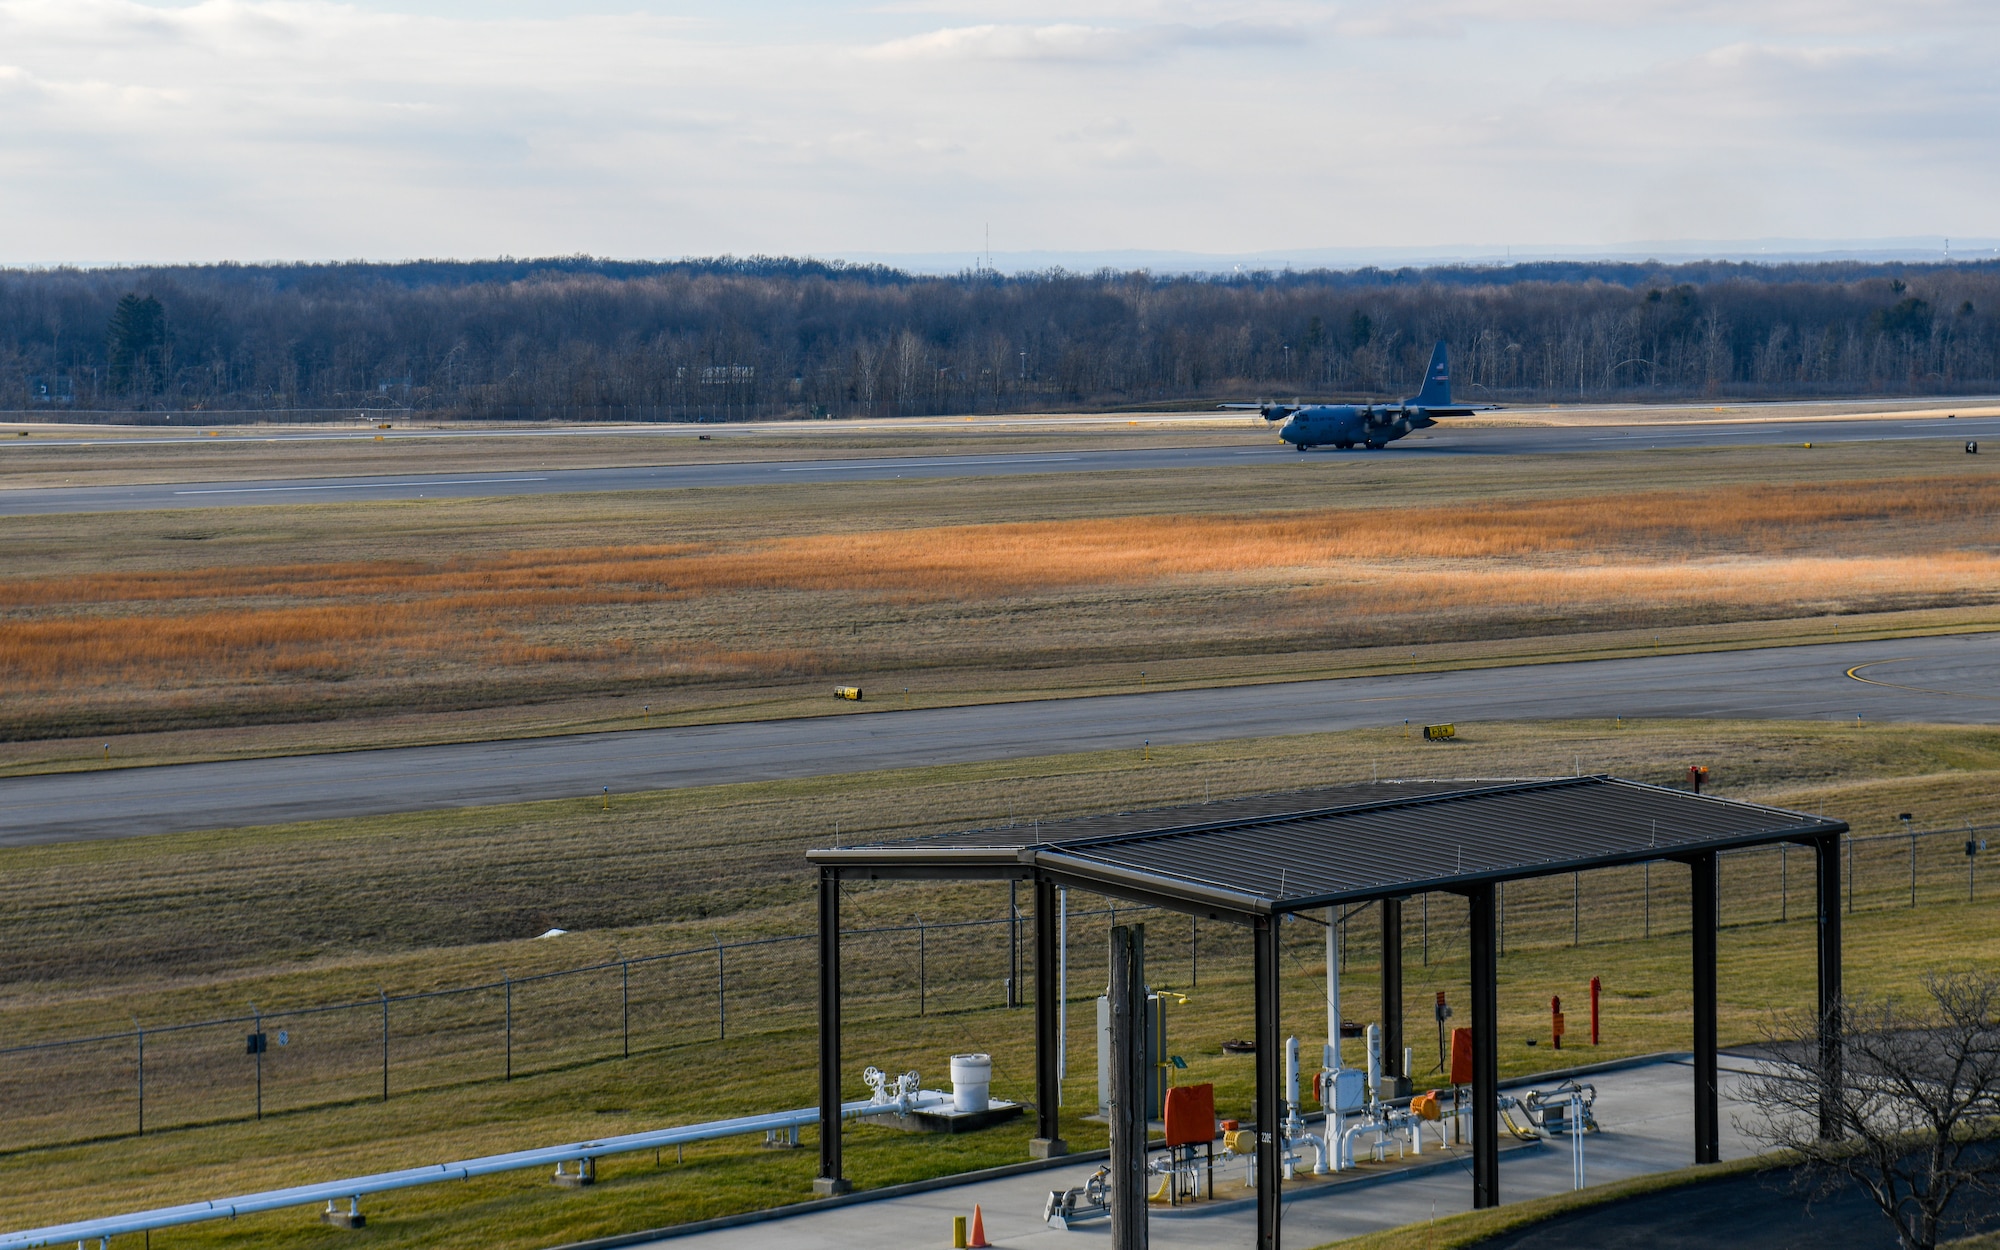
point(187, 926)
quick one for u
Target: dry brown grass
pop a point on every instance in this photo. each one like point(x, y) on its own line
point(154, 636)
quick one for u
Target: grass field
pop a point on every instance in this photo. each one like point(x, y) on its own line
point(151, 636)
point(737, 602)
point(189, 926)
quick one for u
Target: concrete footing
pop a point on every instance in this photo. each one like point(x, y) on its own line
point(1047, 1147)
point(831, 1186)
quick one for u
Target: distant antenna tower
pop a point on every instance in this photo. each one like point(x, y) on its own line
point(989, 247)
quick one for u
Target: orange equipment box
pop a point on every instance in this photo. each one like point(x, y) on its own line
point(1190, 1115)
point(1461, 1056)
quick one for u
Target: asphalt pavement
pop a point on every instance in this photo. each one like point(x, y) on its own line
point(1952, 679)
point(1257, 448)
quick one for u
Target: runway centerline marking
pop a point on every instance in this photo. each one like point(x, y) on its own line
point(270, 490)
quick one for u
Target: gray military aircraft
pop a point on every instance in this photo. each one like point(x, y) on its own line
point(1373, 426)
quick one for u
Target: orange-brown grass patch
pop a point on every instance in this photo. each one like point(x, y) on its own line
point(1801, 582)
point(1886, 543)
point(1927, 514)
point(1670, 526)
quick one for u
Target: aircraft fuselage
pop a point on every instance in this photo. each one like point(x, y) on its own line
point(1352, 425)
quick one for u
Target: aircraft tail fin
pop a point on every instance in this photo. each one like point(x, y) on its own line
point(1437, 382)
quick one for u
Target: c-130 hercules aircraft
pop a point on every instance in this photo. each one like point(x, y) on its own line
point(1373, 426)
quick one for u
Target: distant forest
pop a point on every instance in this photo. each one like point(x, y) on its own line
point(728, 338)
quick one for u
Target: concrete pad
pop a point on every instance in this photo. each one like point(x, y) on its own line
point(1645, 1114)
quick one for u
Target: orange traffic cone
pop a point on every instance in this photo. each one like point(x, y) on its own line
point(978, 1237)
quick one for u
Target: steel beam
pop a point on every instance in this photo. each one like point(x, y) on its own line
point(1047, 1142)
point(1128, 1087)
point(1702, 883)
point(1270, 1083)
point(1826, 854)
point(829, 1181)
point(1485, 1048)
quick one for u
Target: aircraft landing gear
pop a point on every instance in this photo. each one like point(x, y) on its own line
point(1374, 446)
point(1300, 446)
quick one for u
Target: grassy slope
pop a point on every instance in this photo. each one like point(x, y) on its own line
point(371, 918)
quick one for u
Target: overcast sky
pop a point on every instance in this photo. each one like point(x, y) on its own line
point(265, 129)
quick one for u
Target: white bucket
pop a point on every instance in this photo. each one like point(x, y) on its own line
point(970, 1075)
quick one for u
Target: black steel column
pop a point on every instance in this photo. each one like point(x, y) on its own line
point(1128, 1087)
point(1393, 1075)
point(1047, 1141)
point(1707, 1114)
point(1826, 852)
point(830, 1181)
point(1270, 1083)
point(1485, 1049)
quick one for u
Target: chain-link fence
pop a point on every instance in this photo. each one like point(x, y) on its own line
point(242, 1067)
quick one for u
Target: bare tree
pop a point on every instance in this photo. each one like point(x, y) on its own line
point(1908, 1111)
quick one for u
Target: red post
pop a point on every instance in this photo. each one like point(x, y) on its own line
point(1594, 988)
point(1556, 1019)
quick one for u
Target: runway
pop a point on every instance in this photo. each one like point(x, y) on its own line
point(1954, 679)
point(1257, 449)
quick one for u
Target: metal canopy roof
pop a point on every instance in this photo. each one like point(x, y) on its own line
point(1311, 848)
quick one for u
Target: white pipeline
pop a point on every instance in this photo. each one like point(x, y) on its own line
point(1374, 1044)
point(1294, 1131)
point(893, 1097)
point(1384, 1124)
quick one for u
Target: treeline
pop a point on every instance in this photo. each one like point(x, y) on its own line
point(716, 339)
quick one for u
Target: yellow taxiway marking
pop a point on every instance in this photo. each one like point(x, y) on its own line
point(1855, 673)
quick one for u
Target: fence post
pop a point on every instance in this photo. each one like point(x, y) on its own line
point(385, 1041)
point(1576, 909)
point(510, 1025)
point(257, 1031)
point(923, 968)
point(721, 997)
point(1500, 909)
point(1850, 872)
point(1913, 868)
point(1649, 898)
point(1194, 951)
point(142, 1074)
point(625, 1001)
point(1784, 882)
point(1427, 929)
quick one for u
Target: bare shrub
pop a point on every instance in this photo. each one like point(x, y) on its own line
point(1910, 1111)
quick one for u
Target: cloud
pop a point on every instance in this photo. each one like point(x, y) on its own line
point(1071, 42)
point(305, 128)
